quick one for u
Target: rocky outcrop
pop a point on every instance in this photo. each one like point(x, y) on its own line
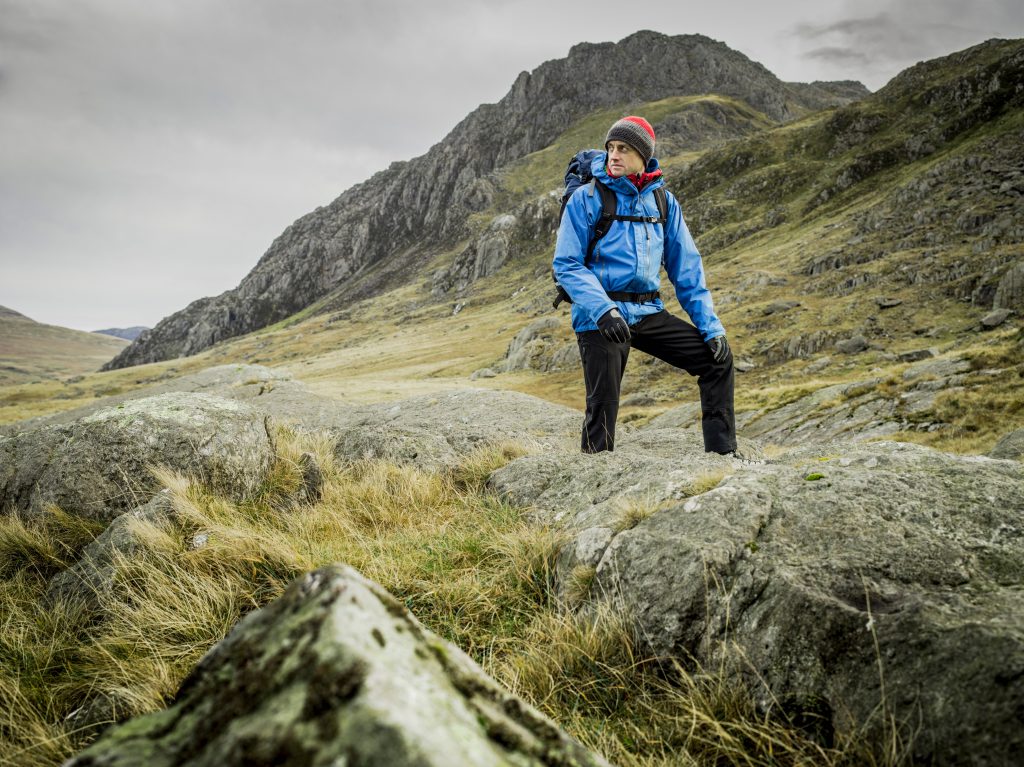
point(99, 466)
point(337, 671)
point(1010, 292)
point(394, 215)
point(852, 583)
point(545, 345)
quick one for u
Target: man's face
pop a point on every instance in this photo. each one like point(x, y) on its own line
point(623, 160)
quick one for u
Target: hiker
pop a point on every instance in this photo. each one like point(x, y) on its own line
point(613, 285)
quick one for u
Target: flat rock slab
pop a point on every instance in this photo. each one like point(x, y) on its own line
point(99, 466)
point(801, 567)
point(337, 672)
point(435, 431)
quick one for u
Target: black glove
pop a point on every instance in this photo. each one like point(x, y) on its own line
point(719, 348)
point(613, 327)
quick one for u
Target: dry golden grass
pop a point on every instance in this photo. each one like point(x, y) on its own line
point(468, 565)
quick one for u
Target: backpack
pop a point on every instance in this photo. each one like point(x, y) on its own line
point(577, 174)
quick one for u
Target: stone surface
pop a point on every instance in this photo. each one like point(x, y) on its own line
point(89, 582)
point(800, 567)
point(1010, 446)
point(940, 368)
point(437, 431)
point(99, 466)
point(546, 345)
point(1010, 292)
point(337, 672)
point(852, 345)
point(995, 318)
point(916, 355)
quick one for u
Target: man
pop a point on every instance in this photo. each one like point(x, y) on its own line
point(614, 290)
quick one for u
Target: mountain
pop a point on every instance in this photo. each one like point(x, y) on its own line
point(33, 351)
point(405, 215)
point(128, 334)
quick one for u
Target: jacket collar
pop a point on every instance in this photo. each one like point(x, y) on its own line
point(652, 177)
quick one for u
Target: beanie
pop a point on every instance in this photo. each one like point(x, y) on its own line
point(636, 132)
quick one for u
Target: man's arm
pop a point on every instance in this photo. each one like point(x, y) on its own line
point(686, 272)
point(569, 261)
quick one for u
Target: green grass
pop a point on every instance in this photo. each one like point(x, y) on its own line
point(467, 564)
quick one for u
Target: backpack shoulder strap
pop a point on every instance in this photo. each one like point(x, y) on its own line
point(661, 200)
point(609, 203)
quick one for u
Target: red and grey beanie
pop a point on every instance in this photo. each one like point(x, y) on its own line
point(636, 132)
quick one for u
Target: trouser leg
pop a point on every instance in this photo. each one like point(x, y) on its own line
point(680, 344)
point(604, 362)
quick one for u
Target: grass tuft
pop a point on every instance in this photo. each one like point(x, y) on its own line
point(466, 563)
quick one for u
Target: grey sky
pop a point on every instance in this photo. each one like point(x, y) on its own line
point(150, 152)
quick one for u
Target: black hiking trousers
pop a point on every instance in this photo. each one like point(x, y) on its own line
point(674, 341)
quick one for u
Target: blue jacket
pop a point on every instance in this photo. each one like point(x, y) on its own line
point(630, 256)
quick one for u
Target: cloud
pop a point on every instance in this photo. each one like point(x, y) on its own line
point(838, 56)
point(882, 37)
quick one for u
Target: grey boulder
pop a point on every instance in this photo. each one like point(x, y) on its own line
point(337, 672)
point(100, 465)
point(851, 583)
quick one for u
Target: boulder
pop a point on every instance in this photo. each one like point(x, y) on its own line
point(916, 355)
point(813, 575)
point(1011, 446)
point(90, 580)
point(853, 345)
point(338, 672)
point(99, 466)
point(995, 318)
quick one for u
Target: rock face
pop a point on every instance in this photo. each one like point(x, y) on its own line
point(543, 345)
point(338, 672)
point(98, 466)
point(1010, 292)
point(393, 215)
point(802, 566)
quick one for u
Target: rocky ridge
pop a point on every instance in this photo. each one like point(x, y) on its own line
point(398, 215)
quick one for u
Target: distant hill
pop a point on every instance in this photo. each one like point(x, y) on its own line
point(6, 313)
point(128, 334)
point(33, 351)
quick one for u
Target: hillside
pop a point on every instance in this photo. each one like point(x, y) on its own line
point(402, 217)
point(32, 351)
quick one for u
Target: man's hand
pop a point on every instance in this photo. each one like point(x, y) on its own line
point(613, 327)
point(719, 348)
